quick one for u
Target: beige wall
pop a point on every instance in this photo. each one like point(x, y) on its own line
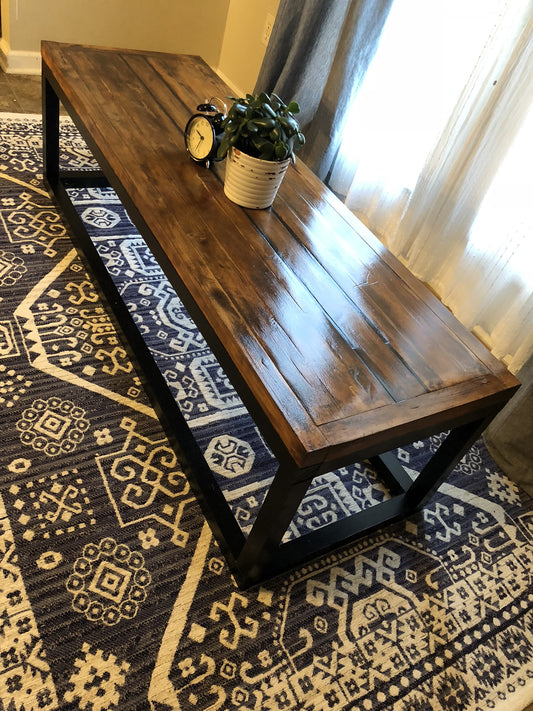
point(228, 34)
point(243, 48)
point(4, 7)
point(189, 26)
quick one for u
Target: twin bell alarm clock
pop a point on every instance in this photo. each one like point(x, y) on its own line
point(203, 131)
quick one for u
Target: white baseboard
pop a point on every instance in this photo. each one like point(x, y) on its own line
point(235, 89)
point(19, 62)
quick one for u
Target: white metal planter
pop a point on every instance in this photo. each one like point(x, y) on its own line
point(252, 182)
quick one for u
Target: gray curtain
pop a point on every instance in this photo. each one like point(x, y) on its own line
point(509, 437)
point(318, 54)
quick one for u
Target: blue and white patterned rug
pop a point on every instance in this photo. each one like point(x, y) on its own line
point(113, 593)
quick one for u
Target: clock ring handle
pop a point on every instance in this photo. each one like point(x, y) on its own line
point(219, 105)
point(214, 105)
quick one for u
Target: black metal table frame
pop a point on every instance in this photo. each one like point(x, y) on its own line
point(260, 555)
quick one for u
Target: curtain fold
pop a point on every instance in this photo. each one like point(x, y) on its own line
point(318, 55)
point(509, 437)
point(448, 233)
point(459, 170)
point(301, 51)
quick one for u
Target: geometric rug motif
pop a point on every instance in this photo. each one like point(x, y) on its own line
point(244, 465)
point(144, 481)
point(113, 592)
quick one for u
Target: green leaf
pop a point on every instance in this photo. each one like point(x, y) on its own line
point(281, 103)
point(223, 148)
point(267, 151)
point(289, 124)
point(262, 125)
point(293, 107)
point(260, 143)
point(265, 123)
point(268, 110)
point(281, 150)
point(230, 127)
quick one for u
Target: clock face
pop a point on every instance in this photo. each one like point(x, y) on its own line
point(199, 138)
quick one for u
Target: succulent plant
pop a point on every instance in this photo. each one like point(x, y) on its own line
point(262, 126)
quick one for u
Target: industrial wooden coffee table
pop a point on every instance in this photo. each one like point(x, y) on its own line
point(339, 354)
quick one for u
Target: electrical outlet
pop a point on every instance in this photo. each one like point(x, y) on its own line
point(267, 29)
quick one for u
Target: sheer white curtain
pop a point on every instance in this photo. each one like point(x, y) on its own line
point(436, 158)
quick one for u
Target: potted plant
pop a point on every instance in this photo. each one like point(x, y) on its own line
point(259, 139)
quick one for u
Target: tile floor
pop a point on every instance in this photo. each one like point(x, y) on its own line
point(20, 93)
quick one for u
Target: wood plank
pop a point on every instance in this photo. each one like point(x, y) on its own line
point(340, 347)
point(427, 345)
point(314, 190)
point(389, 427)
point(367, 342)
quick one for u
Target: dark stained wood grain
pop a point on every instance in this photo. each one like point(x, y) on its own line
point(344, 351)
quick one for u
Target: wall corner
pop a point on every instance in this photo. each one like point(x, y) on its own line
point(17, 62)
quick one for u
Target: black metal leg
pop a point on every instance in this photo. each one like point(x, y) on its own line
point(257, 558)
point(262, 556)
point(208, 494)
point(50, 133)
point(391, 472)
point(450, 452)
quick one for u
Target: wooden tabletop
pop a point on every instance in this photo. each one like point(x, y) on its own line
point(345, 352)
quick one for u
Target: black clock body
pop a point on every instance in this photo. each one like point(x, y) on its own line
point(203, 133)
